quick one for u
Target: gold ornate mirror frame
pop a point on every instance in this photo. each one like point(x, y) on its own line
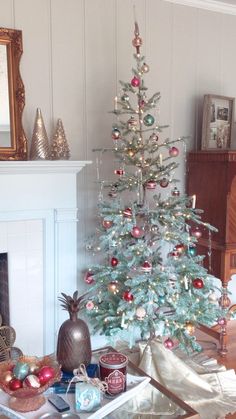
point(17, 147)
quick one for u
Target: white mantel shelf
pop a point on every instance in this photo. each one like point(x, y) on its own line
point(42, 166)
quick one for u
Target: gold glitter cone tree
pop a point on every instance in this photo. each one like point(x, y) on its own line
point(59, 146)
point(40, 145)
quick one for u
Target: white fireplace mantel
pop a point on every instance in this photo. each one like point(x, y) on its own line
point(42, 166)
point(38, 231)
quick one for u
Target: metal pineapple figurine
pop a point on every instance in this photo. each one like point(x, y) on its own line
point(73, 344)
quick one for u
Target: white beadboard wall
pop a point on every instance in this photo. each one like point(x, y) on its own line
point(76, 51)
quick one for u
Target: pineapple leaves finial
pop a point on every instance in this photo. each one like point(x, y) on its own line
point(71, 304)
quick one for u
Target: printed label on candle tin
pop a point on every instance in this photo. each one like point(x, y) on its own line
point(115, 382)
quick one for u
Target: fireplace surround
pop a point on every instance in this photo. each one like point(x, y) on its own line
point(38, 231)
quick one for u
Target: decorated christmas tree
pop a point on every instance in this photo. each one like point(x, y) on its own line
point(152, 281)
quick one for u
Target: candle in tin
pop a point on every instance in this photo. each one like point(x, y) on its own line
point(113, 367)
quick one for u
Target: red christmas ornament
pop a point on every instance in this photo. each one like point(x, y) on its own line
point(127, 212)
point(15, 384)
point(173, 152)
point(107, 223)
point(114, 262)
point(31, 381)
point(169, 343)
point(115, 134)
point(146, 266)
point(175, 192)
point(198, 283)
point(179, 248)
point(89, 278)
point(127, 296)
point(137, 232)
point(151, 184)
point(196, 233)
point(135, 82)
point(175, 254)
point(164, 183)
point(142, 103)
point(119, 172)
point(45, 374)
point(132, 122)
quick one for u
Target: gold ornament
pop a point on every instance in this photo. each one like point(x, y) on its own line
point(190, 328)
point(39, 145)
point(113, 287)
point(7, 376)
point(59, 147)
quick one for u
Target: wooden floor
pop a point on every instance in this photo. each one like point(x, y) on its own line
point(211, 345)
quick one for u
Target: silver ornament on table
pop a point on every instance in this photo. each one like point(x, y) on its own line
point(59, 146)
point(40, 144)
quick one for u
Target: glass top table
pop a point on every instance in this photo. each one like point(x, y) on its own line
point(154, 401)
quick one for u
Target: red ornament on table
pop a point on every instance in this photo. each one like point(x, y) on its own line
point(107, 223)
point(15, 384)
point(89, 278)
point(173, 152)
point(127, 212)
point(114, 262)
point(146, 266)
point(169, 343)
point(31, 381)
point(45, 374)
point(127, 296)
point(135, 82)
point(164, 183)
point(137, 232)
point(198, 283)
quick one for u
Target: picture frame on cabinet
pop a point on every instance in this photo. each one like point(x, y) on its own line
point(217, 123)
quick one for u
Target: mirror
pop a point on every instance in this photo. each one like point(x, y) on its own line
point(13, 142)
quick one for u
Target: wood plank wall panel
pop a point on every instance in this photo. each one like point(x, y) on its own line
point(68, 71)
point(207, 61)
point(228, 63)
point(159, 57)
point(7, 19)
point(183, 81)
point(33, 17)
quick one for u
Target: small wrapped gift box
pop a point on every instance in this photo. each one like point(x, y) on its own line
point(87, 397)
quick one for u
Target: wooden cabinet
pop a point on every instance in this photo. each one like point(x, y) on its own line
point(211, 176)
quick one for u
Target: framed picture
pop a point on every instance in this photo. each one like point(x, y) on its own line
point(217, 124)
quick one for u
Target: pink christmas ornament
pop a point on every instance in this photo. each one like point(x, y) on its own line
point(135, 82)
